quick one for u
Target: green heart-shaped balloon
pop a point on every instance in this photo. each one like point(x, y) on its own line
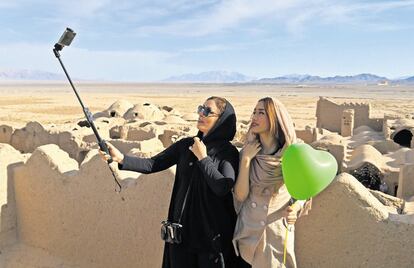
point(307, 171)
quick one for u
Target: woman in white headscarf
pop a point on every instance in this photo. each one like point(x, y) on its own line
point(265, 208)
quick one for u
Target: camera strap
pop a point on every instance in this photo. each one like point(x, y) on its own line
point(185, 200)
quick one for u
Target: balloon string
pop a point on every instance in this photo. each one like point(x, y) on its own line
point(288, 226)
point(285, 246)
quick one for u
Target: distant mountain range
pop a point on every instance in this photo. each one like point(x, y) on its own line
point(211, 77)
point(21, 75)
point(310, 79)
point(224, 77)
point(232, 77)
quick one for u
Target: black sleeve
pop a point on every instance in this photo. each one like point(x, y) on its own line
point(220, 180)
point(161, 161)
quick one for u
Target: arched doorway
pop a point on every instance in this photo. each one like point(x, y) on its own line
point(403, 137)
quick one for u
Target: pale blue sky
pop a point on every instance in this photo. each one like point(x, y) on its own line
point(151, 40)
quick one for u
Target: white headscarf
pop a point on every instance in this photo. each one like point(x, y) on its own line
point(285, 130)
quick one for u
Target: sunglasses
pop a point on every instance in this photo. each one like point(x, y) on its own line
point(205, 110)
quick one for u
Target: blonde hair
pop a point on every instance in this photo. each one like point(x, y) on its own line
point(269, 107)
point(280, 123)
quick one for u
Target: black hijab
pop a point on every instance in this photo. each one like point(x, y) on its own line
point(222, 132)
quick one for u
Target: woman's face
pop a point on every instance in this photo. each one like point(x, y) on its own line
point(260, 120)
point(208, 114)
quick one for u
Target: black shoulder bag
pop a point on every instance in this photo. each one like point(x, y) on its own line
point(171, 231)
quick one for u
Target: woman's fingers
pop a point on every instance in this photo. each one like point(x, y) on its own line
point(251, 149)
point(113, 151)
point(291, 218)
point(104, 155)
point(291, 221)
point(291, 215)
point(111, 148)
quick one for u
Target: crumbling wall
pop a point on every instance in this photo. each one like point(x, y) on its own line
point(117, 109)
point(171, 135)
point(72, 217)
point(73, 213)
point(146, 147)
point(406, 181)
point(308, 135)
point(349, 227)
point(148, 137)
point(329, 115)
point(347, 124)
point(6, 133)
point(33, 135)
point(30, 137)
point(9, 157)
point(400, 130)
point(333, 144)
point(141, 131)
point(144, 111)
point(137, 131)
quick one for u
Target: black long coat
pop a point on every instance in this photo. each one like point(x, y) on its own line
point(209, 207)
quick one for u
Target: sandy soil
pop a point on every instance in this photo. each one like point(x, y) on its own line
point(56, 103)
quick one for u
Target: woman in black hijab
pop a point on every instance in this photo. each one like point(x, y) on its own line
point(201, 200)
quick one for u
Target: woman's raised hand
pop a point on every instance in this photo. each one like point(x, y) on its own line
point(250, 150)
point(291, 213)
point(199, 148)
point(116, 155)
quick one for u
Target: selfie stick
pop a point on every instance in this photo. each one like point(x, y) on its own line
point(66, 40)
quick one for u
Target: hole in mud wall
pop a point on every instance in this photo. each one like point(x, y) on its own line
point(403, 138)
point(135, 114)
point(4, 130)
point(146, 104)
point(166, 108)
point(395, 189)
point(370, 176)
point(84, 123)
point(113, 113)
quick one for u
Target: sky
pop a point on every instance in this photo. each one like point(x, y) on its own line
point(155, 39)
